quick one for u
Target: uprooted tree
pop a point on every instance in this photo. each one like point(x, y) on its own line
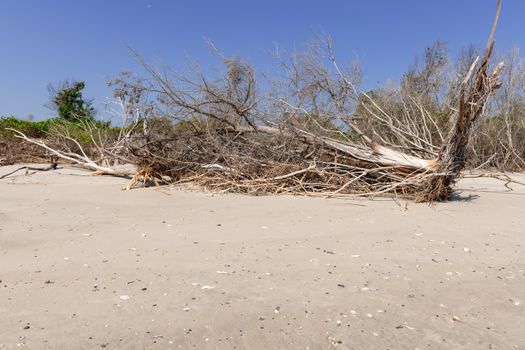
point(311, 133)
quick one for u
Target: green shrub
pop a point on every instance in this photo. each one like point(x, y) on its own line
point(31, 129)
point(55, 126)
point(67, 100)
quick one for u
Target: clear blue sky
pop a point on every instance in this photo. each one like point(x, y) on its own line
point(47, 41)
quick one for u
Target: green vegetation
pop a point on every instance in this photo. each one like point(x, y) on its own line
point(68, 102)
point(46, 128)
point(76, 117)
point(31, 129)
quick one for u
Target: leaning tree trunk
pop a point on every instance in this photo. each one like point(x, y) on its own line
point(474, 93)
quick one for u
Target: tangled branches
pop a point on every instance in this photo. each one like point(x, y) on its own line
point(311, 133)
point(275, 161)
point(310, 144)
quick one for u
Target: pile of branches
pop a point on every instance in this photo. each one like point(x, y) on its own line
point(300, 137)
point(272, 160)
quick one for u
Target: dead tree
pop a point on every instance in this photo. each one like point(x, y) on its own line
point(474, 92)
point(223, 134)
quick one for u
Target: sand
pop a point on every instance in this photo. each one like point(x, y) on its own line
point(84, 265)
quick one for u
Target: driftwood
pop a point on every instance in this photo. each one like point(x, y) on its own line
point(81, 159)
point(373, 153)
point(52, 166)
point(218, 139)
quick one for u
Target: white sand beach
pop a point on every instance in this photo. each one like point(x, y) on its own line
point(85, 265)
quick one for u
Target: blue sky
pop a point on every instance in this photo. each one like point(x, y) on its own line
point(42, 42)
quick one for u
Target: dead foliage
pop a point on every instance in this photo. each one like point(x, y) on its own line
point(311, 133)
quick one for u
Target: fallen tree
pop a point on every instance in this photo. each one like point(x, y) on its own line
point(223, 135)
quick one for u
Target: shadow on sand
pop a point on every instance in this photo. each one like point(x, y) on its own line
point(461, 197)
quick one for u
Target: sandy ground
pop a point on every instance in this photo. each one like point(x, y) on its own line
point(84, 265)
